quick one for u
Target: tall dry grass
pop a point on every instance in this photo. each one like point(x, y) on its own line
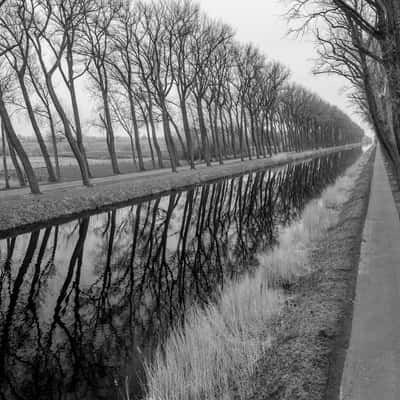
point(218, 347)
point(214, 355)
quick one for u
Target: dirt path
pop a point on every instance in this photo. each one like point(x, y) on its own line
point(372, 367)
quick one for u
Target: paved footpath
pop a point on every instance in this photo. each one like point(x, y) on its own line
point(372, 367)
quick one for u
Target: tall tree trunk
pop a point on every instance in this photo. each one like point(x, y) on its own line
point(196, 135)
point(239, 123)
point(203, 132)
point(110, 134)
point(259, 137)
point(274, 133)
point(268, 135)
point(133, 152)
point(225, 139)
point(17, 146)
point(75, 109)
point(36, 129)
point(246, 136)
point(197, 143)
point(213, 151)
point(386, 135)
point(253, 133)
point(15, 162)
point(218, 135)
point(80, 158)
point(180, 139)
point(79, 136)
point(188, 135)
point(54, 142)
point(146, 122)
point(232, 133)
point(390, 45)
point(149, 105)
point(214, 135)
point(136, 131)
point(168, 139)
point(4, 148)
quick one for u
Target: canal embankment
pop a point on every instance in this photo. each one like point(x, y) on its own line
point(20, 210)
point(312, 331)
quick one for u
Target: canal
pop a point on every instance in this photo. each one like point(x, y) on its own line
point(83, 304)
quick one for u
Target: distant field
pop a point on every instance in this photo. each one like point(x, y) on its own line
point(98, 156)
point(68, 161)
point(96, 148)
point(70, 170)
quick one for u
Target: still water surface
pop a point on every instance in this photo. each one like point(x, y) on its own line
point(83, 304)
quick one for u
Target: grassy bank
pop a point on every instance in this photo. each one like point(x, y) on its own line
point(20, 211)
point(251, 344)
point(313, 330)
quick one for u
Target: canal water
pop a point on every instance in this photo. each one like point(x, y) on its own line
point(83, 304)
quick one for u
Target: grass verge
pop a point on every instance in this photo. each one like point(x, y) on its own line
point(219, 350)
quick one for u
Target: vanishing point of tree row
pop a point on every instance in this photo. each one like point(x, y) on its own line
point(162, 67)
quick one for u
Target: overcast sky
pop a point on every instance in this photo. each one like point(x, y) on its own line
point(262, 23)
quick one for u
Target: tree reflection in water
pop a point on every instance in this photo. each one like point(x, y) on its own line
point(84, 303)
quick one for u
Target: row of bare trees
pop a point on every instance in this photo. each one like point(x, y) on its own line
point(160, 67)
point(360, 40)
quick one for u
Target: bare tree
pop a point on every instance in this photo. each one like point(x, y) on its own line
point(182, 21)
point(123, 65)
point(144, 111)
point(6, 80)
point(122, 115)
point(4, 151)
point(97, 48)
point(55, 28)
point(46, 111)
point(352, 34)
point(208, 37)
point(153, 52)
point(14, 23)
